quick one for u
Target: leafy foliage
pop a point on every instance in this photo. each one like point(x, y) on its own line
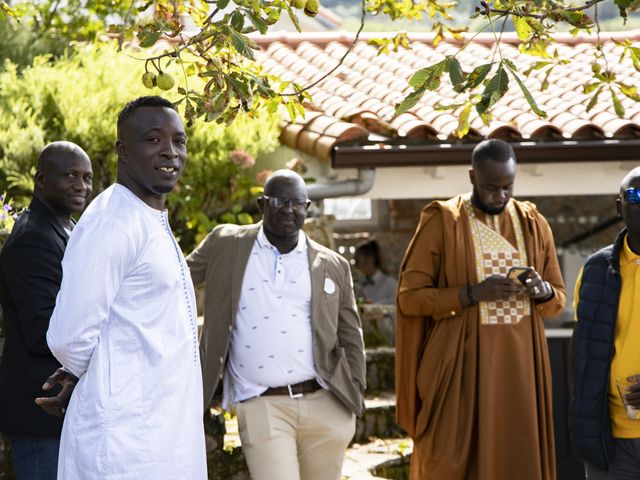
point(218, 78)
point(78, 97)
point(534, 22)
point(8, 215)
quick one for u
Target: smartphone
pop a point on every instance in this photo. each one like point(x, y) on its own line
point(519, 273)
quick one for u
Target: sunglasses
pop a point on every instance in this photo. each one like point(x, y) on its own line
point(632, 195)
point(277, 203)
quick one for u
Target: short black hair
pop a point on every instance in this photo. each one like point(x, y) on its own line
point(492, 150)
point(147, 101)
point(370, 249)
point(52, 151)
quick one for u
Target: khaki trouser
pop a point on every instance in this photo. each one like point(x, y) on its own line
point(302, 438)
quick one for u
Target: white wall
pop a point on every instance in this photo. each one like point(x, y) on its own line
point(588, 178)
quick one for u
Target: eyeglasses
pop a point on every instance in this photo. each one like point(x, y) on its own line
point(632, 195)
point(277, 203)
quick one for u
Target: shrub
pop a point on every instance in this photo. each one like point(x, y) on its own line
point(77, 98)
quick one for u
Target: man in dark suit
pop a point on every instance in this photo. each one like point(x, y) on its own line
point(283, 333)
point(30, 277)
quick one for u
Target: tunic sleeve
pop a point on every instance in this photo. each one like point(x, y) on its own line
point(417, 292)
point(94, 266)
point(551, 273)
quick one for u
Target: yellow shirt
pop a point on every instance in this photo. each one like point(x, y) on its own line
point(626, 357)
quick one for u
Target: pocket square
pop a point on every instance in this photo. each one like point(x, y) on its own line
point(329, 286)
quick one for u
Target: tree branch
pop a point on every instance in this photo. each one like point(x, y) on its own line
point(330, 72)
point(539, 16)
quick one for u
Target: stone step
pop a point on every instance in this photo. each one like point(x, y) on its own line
point(380, 369)
point(378, 325)
point(378, 420)
point(377, 460)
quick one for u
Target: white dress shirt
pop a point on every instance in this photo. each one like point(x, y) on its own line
point(271, 344)
point(125, 324)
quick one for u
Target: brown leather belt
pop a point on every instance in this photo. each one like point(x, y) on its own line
point(296, 390)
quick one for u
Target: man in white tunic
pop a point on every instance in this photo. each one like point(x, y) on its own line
point(125, 319)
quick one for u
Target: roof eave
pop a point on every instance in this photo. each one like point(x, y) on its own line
point(443, 154)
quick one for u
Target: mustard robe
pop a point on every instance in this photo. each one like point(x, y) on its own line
point(475, 399)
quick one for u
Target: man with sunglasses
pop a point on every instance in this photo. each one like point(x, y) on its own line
point(605, 407)
point(282, 337)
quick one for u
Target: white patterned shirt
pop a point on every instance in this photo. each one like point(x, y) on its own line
point(125, 324)
point(271, 344)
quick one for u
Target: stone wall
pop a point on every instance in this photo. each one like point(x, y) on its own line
point(567, 217)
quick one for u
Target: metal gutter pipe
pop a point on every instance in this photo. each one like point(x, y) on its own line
point(343, 188)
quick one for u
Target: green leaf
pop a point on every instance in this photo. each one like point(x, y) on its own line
point(228, 217)
point(241, 44)
point(293, 114)
point(594, 100)
point(617, 106)
point(429, 76)
point(410, 101)
point(455, 71)
point(294, 18)
point(545, 81)
point(448, 106)
point(222, 4)
point(494, 91)
point(529, 97)
point(523, 29)
point(477, 76)
point(148, 37)
point(463, 121)
point(245, 219)
point(629, 91)
point(536, 66)
point(635, 57)
point(258, 22)
point(237, 21)
point(510, 65)
point(577, 19)
point(623, 6)
point(590, 87)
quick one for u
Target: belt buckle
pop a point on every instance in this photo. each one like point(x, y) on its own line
point(294, 395)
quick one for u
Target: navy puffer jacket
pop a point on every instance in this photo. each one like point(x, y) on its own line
point(589, 418)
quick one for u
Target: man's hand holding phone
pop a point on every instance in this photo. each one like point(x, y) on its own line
point(495, 287)
point(534, 286)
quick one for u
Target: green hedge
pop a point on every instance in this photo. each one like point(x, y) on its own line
point(77, 98)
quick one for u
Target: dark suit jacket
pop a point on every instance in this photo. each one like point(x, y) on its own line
point(338, 350)
point(30, 277)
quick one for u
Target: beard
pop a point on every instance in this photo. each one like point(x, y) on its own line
point(162, 189)
point(478, 203)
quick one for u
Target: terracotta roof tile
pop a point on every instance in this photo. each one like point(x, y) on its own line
point(366, 88)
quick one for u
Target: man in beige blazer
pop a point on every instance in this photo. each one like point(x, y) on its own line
point(282, 337)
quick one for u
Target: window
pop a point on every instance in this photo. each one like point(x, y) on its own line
point(349, 208)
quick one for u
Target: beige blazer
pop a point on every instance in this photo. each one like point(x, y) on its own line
point(219, 262)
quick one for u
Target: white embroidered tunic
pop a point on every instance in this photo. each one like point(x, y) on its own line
point(125, 324)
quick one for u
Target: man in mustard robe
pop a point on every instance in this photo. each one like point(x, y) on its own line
point(473, 382)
